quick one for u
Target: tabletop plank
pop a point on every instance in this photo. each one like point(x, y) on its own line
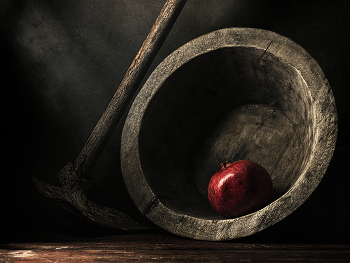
point(163, 247)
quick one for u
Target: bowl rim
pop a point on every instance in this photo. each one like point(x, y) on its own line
point(226, 229)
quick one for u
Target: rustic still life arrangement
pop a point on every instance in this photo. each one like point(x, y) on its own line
point(249, 99)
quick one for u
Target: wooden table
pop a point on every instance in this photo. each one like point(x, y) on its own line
point(158, 246)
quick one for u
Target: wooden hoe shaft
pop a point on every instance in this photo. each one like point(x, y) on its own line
point(127, 88)
point(75, 177)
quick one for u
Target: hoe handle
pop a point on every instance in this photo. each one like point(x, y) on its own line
point(88, 156)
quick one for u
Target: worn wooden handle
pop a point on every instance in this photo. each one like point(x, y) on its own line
point(127, 88)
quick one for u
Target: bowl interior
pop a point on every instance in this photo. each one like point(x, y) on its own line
point(229, 104)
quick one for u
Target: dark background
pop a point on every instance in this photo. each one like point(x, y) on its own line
point(63, 60)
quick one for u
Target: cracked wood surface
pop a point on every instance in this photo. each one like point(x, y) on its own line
point(234, 93)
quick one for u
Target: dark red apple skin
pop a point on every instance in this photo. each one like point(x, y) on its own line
point(239, 188)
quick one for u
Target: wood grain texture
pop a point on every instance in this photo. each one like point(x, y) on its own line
point(75, 177)
point(127, 88)
point(165, 248)
point(231, 94)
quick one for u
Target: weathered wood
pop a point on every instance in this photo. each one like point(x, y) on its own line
point(75, 176)
point(232, 94)
point(166, 248)
point(127, 88)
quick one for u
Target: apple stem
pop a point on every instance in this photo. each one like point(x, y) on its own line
point(224, 164)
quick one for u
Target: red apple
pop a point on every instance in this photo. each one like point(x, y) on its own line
point(239, 188)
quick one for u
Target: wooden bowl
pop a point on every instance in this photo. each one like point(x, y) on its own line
point(236, 93)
